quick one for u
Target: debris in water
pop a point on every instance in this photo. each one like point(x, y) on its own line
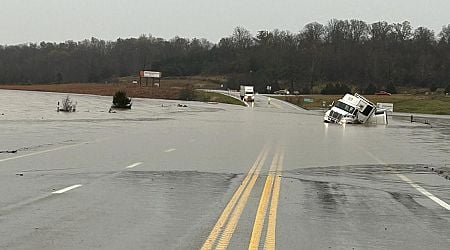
point(8, 151)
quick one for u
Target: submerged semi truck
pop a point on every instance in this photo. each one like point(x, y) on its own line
point(247, 93)
point(355, 109)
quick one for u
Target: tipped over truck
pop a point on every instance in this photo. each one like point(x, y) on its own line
point(355, 109)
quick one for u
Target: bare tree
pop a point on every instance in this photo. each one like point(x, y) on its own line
point(444, 35)
point(242, 38)
point(67, 105)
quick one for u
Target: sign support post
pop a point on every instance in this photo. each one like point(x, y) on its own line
point(150, 74)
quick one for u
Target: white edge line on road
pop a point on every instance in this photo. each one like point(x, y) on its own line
point(170, 150)
point(277, 105)
point(45, 151)
point(134, 165)
point(289, 104)
point(414, 185)
point(66, 189)
point(424, 192)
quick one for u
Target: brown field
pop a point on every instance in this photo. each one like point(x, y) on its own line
point(163, 92)
point(171, 87)
point(198, 82)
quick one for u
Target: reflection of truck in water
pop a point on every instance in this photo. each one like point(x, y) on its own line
point(355, 109)
point(247, 93)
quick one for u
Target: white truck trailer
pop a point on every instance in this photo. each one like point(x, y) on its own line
point(247, 93)
point(355, 109)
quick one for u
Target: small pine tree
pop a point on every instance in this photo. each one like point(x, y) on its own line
point(120, 99)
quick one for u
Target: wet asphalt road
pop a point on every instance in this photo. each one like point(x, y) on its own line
point(161, 177)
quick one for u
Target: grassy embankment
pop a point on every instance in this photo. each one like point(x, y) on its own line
point(202, 96)
point(171, 88)
point(425, 104)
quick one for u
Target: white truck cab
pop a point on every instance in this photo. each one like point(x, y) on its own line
point(247, 93)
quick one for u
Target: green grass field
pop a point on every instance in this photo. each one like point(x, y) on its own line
point(215, 97)
point(424, 104)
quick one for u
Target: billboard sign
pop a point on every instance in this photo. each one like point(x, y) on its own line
point(150, 74)
point(388, 106)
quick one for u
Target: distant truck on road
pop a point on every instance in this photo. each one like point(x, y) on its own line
point(247, 93)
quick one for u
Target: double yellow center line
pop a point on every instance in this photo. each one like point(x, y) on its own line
point(271, 189)
point(225, 226)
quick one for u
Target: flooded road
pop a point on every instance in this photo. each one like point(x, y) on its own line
point(160, 176)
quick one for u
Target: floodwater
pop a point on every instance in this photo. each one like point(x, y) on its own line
point(28, 120)
point(41, 106)
point(340, 185)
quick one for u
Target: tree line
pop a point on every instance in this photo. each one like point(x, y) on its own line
point(340, 52)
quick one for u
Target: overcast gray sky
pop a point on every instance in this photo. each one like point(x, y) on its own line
point(23, 21)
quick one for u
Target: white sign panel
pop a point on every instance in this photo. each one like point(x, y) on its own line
point(384, 105)
point(152, 74)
